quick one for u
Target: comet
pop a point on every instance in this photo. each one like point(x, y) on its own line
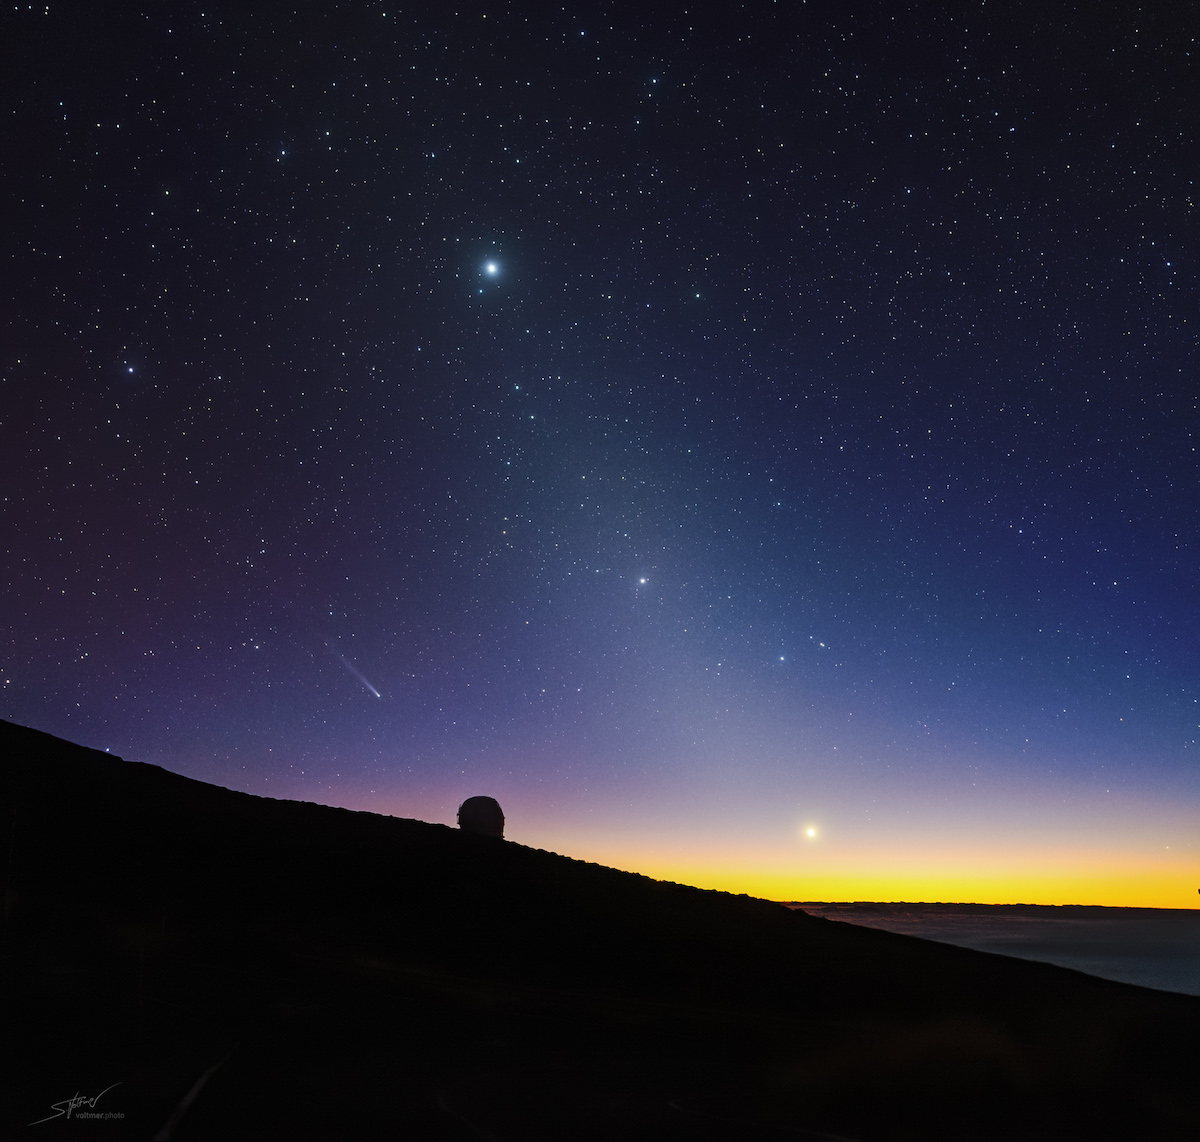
point(357, 673)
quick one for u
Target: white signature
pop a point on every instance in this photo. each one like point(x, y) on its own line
point(74, 1103)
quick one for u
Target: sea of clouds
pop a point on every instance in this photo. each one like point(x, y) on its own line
point(1152, 947)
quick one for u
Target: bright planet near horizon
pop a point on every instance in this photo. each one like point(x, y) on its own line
point(832, 455)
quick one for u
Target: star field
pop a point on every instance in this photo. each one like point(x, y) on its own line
point(755, 444)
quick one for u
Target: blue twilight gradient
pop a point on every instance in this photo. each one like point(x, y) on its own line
point(686, 421)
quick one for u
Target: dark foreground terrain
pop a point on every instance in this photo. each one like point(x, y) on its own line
point(343, 975)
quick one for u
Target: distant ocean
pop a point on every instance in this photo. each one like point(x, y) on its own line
point(1152, 947)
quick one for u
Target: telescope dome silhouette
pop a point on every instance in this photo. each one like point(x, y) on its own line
point(481, 815)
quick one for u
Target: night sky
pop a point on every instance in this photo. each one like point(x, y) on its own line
point(755, 444)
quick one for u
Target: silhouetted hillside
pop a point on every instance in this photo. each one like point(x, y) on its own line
point(187, 918)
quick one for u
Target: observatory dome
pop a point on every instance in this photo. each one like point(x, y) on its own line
point(481, 815)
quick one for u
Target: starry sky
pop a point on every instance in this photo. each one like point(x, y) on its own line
point(756, 444)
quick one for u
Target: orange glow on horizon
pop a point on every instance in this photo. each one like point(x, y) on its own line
point(980, 877)
point(1129, 891)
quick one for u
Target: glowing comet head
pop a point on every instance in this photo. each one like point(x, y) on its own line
point(491, 269)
